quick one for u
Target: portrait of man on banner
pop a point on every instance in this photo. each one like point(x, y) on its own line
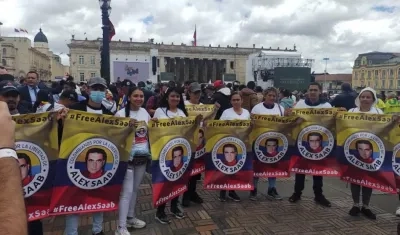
point(272, 147)
point(314, 142)
point(25, 166)
point(95, 160)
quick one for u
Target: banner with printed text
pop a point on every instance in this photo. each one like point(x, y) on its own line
point(315, 142)
point(36, 144)
point(228, 158)
point(273, 145)
point(172, 147)
point(364, 150)
point(92, 163)
point(208, 112)
point(394, 137)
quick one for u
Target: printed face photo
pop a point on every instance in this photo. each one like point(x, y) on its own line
point(230, 153)
point(24, 165)
point(95, 161)
point(314, 141)
point(142, 131)
point(271, 145)
point(201, 137)
point(177, 156)
point(364, 149)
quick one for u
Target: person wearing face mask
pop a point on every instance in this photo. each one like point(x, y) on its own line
point(140, 154)
point(97, 87)
point(171, 106)
point(234, 113)
point(365, 103)
point(313, 100)
point(268, 107)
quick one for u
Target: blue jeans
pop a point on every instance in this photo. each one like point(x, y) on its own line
point(271, 182)
point(72, 223)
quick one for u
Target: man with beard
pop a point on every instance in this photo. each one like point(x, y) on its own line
point(10, 94)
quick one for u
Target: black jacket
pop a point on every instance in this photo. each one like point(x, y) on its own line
point(345, 100)
point(223, 98)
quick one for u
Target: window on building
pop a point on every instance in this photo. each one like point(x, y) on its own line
point(82, 77)
point(383, 84)
point(383, 74)
point(81, 59)
point(369, 74)
point(398, 83)
point(391, 73)
point(92, 75)
point(362, 74)
point(92, 59)
point(376, 84)
point(232, 64)
point(376, 73)
point(4, 51)
point(4, 62)
point(158, 63)
point(390, 83)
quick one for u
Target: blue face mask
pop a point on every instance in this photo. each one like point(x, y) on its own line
point(97, 96)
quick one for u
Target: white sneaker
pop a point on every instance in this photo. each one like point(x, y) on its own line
point(122, 231)
point(136, 223)
point(398, 211)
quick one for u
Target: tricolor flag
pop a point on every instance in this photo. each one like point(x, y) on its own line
point(16, 30)
point(112, 29)
point(195, 36)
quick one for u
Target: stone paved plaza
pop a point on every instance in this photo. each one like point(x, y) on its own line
point(261, 217)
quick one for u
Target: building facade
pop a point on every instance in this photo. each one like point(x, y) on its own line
point(332, 83)
point(140, 61)
point(379, 70)
point(19, 57)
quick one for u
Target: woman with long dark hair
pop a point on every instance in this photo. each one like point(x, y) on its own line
point(171, 106)
point(140, 154)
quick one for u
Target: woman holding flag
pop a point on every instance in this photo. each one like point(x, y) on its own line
point(365, 103)
point(234, 113)
point(140, 154)
point(268, 107)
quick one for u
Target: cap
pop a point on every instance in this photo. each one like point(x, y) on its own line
point(97, 81)
point(8, 86)
point(126, 82)
point(69, 94)
point(218, 83)
point(6, 77)
point(194, 86)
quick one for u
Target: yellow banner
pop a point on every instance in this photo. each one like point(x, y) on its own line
point(85, 133)
point(36, 143)
point(273, 145)
point(172, 145)
point(315, 142)
point(207, 110)
point(364, 149)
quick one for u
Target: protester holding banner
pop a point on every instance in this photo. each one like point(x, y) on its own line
point(312, 101)
point(97, 91)
point(268, 107)
point(171, 106)
point(365, 103)
point(234, 113)
point(194, 91)
point(140, 154)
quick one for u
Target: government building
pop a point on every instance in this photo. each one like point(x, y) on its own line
point(379, 70)
point(19, 57)
point(159, 62)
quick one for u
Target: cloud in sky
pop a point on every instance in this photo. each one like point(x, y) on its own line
point(337, 29)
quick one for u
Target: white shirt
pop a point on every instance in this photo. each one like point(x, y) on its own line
point(302, 105)
point(58, 106)
point(162, 113)
point(90, 110)
point(230, 114)
point(373, 110)
point(140, 115)
point(261, 110)
point(43, 108)
point(187, 102)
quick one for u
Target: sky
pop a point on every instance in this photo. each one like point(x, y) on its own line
point(334, 29)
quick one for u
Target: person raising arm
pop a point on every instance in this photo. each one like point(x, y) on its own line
point(12, 207)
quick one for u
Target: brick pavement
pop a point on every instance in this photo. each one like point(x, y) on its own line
point(261, 217)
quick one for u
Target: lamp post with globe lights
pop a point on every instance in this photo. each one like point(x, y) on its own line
point(105, 6)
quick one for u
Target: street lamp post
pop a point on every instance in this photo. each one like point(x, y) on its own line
point(105, 51)
point(326, 65)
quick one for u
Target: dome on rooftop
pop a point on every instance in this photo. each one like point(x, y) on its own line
point(40, 37)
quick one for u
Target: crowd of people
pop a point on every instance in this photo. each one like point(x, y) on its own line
point(145, 101)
